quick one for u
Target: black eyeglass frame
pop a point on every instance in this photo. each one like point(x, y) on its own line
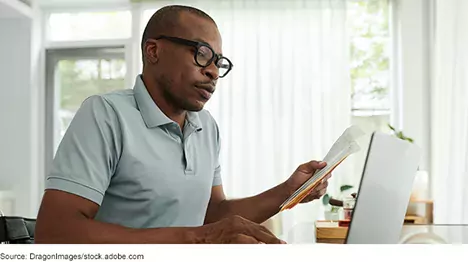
point(215, 58)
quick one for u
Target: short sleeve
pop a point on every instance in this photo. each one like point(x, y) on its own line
point(217, 181)
point(89, 152)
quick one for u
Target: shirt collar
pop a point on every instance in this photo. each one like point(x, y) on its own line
point(194, 119)
point(150, 112)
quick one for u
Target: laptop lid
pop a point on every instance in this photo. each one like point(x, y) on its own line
point(384, 191)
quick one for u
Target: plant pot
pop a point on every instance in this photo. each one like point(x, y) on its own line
point(332, 215)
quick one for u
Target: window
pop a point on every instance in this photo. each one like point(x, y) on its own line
point(146, 17)
point(76, 74)
point(79, 68)
point(81, 78)
point(370, 53)
point(89, 26)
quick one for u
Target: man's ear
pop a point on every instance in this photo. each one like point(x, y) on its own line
point(151, 51)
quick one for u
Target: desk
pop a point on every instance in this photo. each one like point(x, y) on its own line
point(420, 212)
point(305, 233)
point(435, 234)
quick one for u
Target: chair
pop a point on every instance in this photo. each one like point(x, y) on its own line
point(16, 230)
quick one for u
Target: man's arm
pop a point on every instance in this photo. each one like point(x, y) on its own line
point(66, 218)
point(261, 207)
point(257, 208)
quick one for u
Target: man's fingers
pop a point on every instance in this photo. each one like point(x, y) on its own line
point(260, 227)
point(259, 234)
point(316, 193)
point(310, 198)
point(324, 184)
point(244, 239)
point(321, 186)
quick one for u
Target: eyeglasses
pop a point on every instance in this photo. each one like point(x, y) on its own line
point(204, 54)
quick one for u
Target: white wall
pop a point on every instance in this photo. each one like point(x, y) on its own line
point(37, 110)
point(15, 106)
point(20, 139)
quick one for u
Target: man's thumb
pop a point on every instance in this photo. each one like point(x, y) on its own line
point(311, 166)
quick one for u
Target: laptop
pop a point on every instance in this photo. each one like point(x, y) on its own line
point(384, 191)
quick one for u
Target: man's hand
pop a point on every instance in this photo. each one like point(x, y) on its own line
point(235, 230)
point(302, 174)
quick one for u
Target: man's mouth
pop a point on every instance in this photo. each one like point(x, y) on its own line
point(206, 91)
point(205, 94)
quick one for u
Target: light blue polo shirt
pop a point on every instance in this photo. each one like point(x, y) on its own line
point(121, 152)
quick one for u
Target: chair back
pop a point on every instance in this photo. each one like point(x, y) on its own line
point(16, 230)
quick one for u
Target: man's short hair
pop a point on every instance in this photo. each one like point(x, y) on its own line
point(165, 20)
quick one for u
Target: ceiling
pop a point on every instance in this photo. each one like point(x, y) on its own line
point(14, 9)
point(7, 11)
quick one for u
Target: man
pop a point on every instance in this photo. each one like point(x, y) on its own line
point(141, 165)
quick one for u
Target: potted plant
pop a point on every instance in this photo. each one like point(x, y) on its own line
point(334, 205)
point(400, 134)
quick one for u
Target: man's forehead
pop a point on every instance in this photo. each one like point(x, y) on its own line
point(200, 29)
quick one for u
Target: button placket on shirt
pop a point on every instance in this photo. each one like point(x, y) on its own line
point(189, 153)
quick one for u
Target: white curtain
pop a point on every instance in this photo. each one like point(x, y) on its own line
point(450, 112)
point(288, 97)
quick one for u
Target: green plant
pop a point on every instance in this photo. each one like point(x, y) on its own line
point(326, 198)
point(400, 134)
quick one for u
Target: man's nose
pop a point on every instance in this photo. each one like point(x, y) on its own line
point(211, 71)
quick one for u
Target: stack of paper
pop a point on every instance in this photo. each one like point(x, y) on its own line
point(341, 149)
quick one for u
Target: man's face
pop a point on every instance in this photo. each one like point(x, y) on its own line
point(185, 84)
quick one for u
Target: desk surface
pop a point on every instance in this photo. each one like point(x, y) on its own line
point(304, 233)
